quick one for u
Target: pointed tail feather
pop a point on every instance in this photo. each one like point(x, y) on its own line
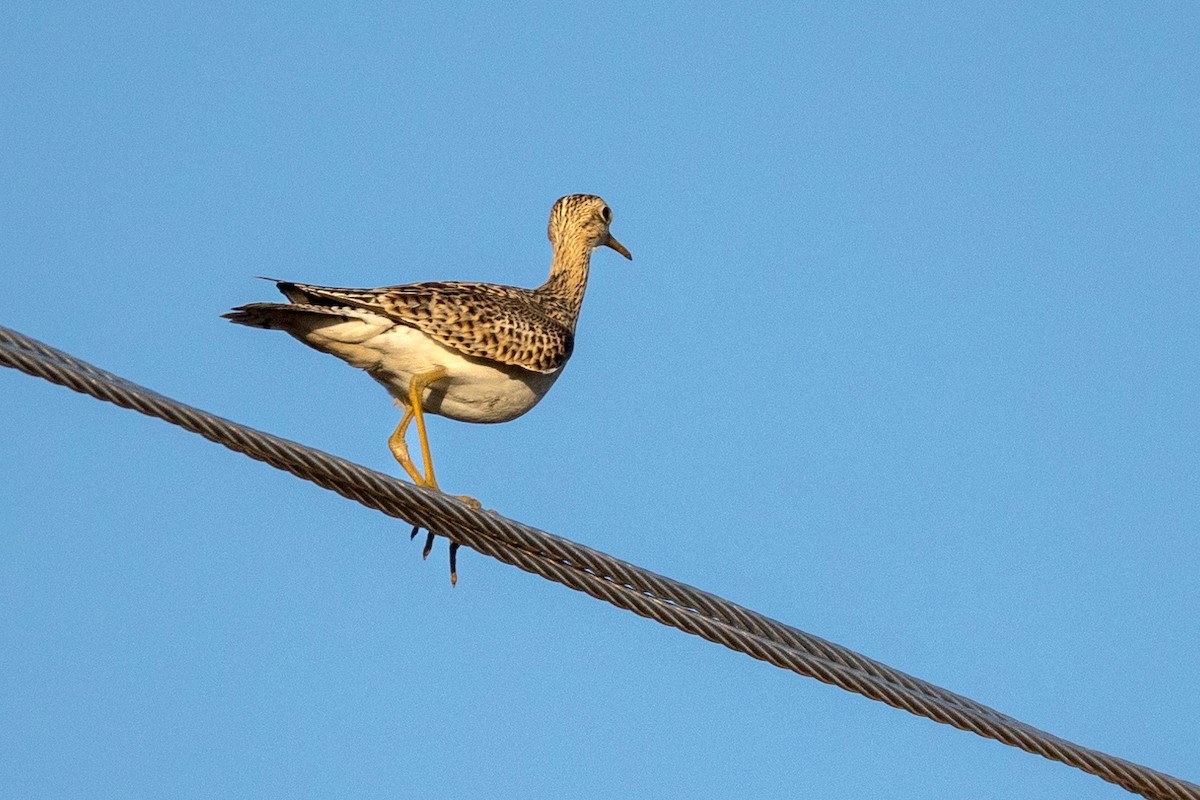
point(278, 316)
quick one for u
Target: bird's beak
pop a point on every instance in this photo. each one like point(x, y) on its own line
point(615, 245)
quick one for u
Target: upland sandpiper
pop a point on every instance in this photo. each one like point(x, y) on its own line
point(473, 352)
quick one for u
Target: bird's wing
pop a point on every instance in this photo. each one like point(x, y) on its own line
point(499, 323)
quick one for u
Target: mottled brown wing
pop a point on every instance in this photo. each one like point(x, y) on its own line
point(499, 323)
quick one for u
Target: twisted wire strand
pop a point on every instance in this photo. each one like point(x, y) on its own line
point(597, 574)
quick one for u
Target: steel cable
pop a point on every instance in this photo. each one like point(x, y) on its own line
point(594, 573)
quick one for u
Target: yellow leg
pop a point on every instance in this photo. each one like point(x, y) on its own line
point(399, 448)
point(416, 388)
point(414, 411)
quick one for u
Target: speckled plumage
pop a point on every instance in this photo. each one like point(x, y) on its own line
point(474, 352)
point(502, 346)
point(505, 324)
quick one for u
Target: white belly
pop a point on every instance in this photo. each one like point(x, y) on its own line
point(475, 390)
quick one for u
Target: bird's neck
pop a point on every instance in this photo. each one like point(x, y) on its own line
point(564, 289)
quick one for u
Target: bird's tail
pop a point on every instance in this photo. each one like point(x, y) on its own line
point(286, 316)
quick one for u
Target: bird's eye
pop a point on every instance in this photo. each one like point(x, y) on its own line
point(606, 214)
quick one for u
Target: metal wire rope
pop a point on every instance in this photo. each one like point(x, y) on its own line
point(594, 573)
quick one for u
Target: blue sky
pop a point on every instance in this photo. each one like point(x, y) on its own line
point(908, 357)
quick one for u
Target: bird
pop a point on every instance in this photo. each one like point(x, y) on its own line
point(472, 352)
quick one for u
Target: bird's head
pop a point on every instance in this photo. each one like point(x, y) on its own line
point(583, 218)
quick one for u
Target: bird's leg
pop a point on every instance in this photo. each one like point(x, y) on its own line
point(399, 447)
point(414, 410)
point(416, 388)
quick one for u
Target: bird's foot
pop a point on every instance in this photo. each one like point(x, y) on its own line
point(470, 502)
point(429, 549)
